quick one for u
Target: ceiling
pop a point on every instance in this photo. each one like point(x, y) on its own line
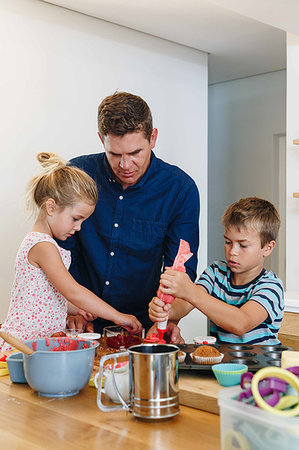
point(243, 38)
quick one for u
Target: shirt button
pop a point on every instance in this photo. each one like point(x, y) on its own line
point(121, 197)
point(112, 253)
point(107, 283)
point(116, 225)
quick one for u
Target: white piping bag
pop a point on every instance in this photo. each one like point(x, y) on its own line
point(179, 264)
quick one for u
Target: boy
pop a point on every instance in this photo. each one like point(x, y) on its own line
point(243, 301)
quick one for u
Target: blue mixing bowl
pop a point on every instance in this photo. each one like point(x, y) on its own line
point(54, 373)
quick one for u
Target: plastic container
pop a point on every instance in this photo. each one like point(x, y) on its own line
point(249, 427)
point(209, 340)
point(229, 374)
point(90, 336)
point(16, 368)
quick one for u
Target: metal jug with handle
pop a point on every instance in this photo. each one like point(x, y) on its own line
point(153, 381)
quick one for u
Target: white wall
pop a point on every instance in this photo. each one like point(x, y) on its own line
point(56, 66)
point(292, 214)
point(244, 117)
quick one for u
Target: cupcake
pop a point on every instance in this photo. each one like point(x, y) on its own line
point(206, 354)
point(181, 356)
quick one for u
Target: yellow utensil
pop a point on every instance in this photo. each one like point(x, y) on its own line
point(283, 374)
point(3, 372)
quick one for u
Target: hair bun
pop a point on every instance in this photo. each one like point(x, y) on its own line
point(50, 161)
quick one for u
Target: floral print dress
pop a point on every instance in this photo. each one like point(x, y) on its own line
point(36, 308)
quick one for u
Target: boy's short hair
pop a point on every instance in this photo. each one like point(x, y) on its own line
point(256, 213)
point(123, 113)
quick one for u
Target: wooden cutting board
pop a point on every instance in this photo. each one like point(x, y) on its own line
point(289, 333)
point(199, 391)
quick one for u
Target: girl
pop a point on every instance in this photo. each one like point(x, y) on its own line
point(63, 197)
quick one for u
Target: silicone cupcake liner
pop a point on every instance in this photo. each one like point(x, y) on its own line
point(229, 374)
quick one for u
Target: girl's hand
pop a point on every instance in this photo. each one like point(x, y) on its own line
point(158, 310)
point(175, 283)
point(77, 322)
point(130, 323)
point(87, 316)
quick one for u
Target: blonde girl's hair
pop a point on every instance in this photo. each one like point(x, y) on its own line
point(64, 183)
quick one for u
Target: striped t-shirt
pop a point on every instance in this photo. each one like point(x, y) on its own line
point(266, 289)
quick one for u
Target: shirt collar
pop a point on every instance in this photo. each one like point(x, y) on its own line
point(242, 286)
point(108, 170)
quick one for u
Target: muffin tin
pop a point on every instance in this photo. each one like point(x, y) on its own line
point(254, 356)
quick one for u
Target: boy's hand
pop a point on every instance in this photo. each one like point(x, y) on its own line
point(130, 323)
point(175, 283)
point(158, 310)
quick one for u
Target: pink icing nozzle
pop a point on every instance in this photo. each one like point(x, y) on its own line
point(154, 339)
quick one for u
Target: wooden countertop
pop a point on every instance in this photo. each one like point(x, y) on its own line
point(28, 421)
point(289, 330)
point(199, 391)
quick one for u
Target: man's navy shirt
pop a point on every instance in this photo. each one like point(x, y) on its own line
point(133, 233)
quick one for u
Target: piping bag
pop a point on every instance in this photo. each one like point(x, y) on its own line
point(179, 264)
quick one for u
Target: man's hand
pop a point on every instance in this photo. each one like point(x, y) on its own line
point(172, 334)
point(79, 323)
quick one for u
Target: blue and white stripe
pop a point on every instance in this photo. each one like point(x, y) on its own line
point(266, 289)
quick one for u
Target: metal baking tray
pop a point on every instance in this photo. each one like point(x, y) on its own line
point(254, 356)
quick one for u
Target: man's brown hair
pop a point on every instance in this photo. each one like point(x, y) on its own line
point(123, 113)
point(254, 213)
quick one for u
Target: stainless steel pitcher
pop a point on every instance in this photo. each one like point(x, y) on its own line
point(153, 374)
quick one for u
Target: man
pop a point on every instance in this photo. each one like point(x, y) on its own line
point(145, 207)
